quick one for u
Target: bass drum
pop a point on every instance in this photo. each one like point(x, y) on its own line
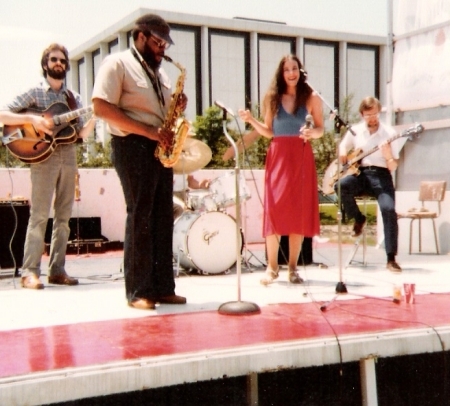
point(205, 241)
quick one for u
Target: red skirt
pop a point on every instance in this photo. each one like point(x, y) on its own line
point(291, 203)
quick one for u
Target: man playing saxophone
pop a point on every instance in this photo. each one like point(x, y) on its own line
point(132, 93)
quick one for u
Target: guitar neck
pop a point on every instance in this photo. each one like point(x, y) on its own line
point(371, 151)
point(71, 115)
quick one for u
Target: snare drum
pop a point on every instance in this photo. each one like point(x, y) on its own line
point(224, 189)
point(205, 241)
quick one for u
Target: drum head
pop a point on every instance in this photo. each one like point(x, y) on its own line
point(211, 242)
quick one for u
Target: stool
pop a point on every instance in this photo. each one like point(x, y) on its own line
point(361, 240)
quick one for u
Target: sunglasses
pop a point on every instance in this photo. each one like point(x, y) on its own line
point(54, 59)
point(161, 43)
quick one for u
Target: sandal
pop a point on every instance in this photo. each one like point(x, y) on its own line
point(294, 277)
point(269, 276)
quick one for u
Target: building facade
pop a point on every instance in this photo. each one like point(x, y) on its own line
point(233, 60)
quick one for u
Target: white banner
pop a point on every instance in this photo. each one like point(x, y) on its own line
point(421, 64)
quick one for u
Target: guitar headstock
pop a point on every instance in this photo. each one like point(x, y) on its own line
point(413, 131)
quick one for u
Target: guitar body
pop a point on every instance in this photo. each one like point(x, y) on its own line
point(32, 146)
point(332, 175)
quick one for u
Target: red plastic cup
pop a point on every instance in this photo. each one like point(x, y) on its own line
point(410, 290)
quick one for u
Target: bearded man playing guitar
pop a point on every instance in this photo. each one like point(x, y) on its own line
point(55, 174)
point(374, 178)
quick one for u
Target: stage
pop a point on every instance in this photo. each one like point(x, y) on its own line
point(67, 343)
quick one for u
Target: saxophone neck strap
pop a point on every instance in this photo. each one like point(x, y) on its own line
point(154, 79)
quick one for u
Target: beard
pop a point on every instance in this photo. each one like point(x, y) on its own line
point(149, 57)
point(56, 74)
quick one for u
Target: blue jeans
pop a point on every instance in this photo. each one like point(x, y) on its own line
point(147, 188)
point(377, 182)
point(55, 176)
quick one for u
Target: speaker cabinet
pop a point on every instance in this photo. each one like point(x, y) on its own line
point(305, 257)
point(8, 214)
point(82, 228)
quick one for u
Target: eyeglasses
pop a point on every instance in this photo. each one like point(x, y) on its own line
point(374, 115)
point(54, 59)
point(160, 43)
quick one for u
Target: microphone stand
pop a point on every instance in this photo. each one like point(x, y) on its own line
point(237, 307)
point(340, 287)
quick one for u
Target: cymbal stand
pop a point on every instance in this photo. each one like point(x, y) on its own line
point(339, 123)
point(237, 307)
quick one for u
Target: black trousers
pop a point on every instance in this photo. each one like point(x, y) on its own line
point(147, 188)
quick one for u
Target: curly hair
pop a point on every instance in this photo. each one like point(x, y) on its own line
point(51, 48)
point(278, 86)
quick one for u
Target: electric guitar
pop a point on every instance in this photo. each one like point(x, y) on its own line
point(32, 146)
point(354, 159)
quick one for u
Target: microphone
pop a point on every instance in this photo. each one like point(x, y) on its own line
point(309, 121)
point(224, 108)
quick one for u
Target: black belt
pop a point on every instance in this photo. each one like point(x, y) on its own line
point(373, 168)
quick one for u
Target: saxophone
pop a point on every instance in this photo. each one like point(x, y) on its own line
point(169, 157)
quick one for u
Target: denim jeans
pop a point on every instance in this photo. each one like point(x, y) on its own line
point(376, 182)
point(147, 187)
point(53, 177)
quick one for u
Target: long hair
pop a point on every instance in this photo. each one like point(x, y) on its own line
point(51, 48)
point(278, 87)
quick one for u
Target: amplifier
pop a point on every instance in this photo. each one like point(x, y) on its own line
point(10, 210)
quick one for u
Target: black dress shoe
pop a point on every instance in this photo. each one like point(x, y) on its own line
point(171, 299)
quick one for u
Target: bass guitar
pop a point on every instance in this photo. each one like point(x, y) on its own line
point(332, 174)
point(32, 146)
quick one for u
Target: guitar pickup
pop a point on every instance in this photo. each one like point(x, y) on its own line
point(14, 136)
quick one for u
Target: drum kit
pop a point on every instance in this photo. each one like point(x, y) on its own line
point(204, 235)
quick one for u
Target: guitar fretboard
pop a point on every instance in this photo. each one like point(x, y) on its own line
point(71, 115)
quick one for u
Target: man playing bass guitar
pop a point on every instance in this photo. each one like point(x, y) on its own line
point(53, 176)
point(375, 177)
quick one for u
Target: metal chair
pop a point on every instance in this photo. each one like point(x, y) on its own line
point(430, 191)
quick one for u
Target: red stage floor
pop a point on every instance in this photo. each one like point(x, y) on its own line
point(27, 351)
point(121, 349)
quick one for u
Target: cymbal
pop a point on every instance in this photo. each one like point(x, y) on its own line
point(194, 155)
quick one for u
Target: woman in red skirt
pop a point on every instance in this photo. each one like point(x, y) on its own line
point(291, 204)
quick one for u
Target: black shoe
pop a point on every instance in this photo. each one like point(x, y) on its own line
point(358, 228)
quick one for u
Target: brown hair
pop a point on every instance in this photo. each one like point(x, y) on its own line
point(51, 48)
point(278, 86)
point(369, 103)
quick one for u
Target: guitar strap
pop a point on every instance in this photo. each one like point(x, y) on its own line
point(71, 102)
point(151, 75)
